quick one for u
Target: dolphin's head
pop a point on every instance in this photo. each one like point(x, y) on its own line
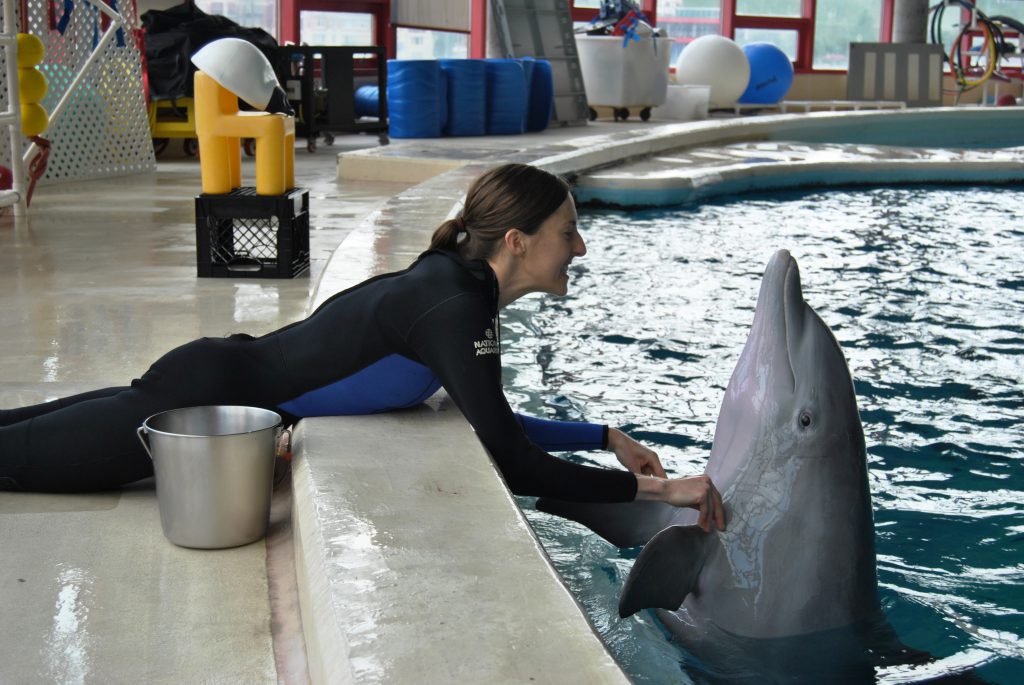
point(791, 389)
point(789, 458)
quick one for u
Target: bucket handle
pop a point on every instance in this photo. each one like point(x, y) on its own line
point(139, 431)
point(281, 433)
point(283, 444)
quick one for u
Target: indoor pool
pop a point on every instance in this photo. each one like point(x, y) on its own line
point(924, 289)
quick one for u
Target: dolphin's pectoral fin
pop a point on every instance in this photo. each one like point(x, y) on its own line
point(665, 572)
point(629, 524)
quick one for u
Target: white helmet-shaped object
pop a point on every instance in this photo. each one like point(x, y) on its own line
point(241, 68)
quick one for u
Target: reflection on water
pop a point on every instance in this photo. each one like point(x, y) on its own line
point(923, 288)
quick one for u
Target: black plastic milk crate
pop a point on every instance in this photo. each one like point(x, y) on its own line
point(244, 235)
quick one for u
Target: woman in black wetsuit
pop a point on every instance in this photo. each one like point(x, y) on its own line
point(386, 343)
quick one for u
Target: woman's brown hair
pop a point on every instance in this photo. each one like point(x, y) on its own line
point(509, 196)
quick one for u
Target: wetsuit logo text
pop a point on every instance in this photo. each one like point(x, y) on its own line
point(486, 346)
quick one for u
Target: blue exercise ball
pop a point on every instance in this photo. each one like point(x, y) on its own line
point(771, 74)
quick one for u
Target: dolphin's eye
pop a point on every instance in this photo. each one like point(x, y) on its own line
point(805, 419)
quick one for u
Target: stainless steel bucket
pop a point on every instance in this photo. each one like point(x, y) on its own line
point(214, 473)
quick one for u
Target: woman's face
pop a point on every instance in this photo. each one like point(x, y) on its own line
point(550, 250)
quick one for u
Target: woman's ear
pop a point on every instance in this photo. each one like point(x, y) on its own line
point(515, 241)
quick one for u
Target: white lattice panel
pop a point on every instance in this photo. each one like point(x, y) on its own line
point(104, 129)
point(5, 152)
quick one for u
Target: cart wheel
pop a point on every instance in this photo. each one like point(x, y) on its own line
point(311, 144)
point(593, 114)
point(621, 113)
point(383, 139)
point(249, 145)
point(159, 145)
point(645, 113)
point(328, 138)
point(190, 146)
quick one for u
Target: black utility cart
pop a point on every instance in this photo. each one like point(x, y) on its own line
point(321, 83)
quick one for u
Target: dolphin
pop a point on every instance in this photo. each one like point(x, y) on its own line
point(797, 557)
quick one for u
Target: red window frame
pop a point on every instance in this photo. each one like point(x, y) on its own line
point(803, 25)
point(385, 32)
point(478, 33)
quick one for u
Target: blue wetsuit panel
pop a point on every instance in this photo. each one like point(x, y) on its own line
point(563, 436)
point(396, 382)
point(393, 382)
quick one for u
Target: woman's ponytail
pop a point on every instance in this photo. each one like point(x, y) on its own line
point(446, 237)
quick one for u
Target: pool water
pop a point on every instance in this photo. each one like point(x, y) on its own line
point(924, 289)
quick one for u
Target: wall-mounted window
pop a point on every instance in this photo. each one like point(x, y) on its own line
point(837, 23)
point(336, 28)
point(433, 30)
point(1010, 9)
point(769, 8)
point(413, 43)
point(248, 13)
point(787, 23)
point(951, 27)
point(1002, 8)
point(585, 10)
point(335, 22)
point(684, 21)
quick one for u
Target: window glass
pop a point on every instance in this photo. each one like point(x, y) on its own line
point(769, 8)
point(248, 13)
point(587, 4)
point(783, 39)
point(1014, 9)
point(1007, 9)
point(838, 23)
point(947, 28)
point(335, 28)
point(427, 44)
point(686, 20)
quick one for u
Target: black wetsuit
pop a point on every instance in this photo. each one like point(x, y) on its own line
point(437, 320)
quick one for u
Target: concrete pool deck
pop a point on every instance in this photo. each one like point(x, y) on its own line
point(395, 580)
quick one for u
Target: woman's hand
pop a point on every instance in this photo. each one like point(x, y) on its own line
point(696, 492)
point(634, 456)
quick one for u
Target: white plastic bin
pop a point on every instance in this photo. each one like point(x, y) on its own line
point(684, 103)
point(621, 76)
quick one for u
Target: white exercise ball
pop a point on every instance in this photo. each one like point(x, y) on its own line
point(718, 62)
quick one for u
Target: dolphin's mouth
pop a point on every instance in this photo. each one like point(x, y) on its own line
point(793, 310)
point(781, 304)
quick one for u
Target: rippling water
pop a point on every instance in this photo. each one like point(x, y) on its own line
point(923, 288)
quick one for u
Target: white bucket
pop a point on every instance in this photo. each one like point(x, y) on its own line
point(214, 473)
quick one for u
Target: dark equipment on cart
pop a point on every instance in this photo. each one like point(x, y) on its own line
point(321, 83)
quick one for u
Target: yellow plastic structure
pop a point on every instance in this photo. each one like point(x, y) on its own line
point(220, 126)
point(32, 85)
point(31, 50)
point(172, 125)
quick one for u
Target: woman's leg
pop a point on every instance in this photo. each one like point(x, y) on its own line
point(87, 446)
point(93, 445)
point(11, 416)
